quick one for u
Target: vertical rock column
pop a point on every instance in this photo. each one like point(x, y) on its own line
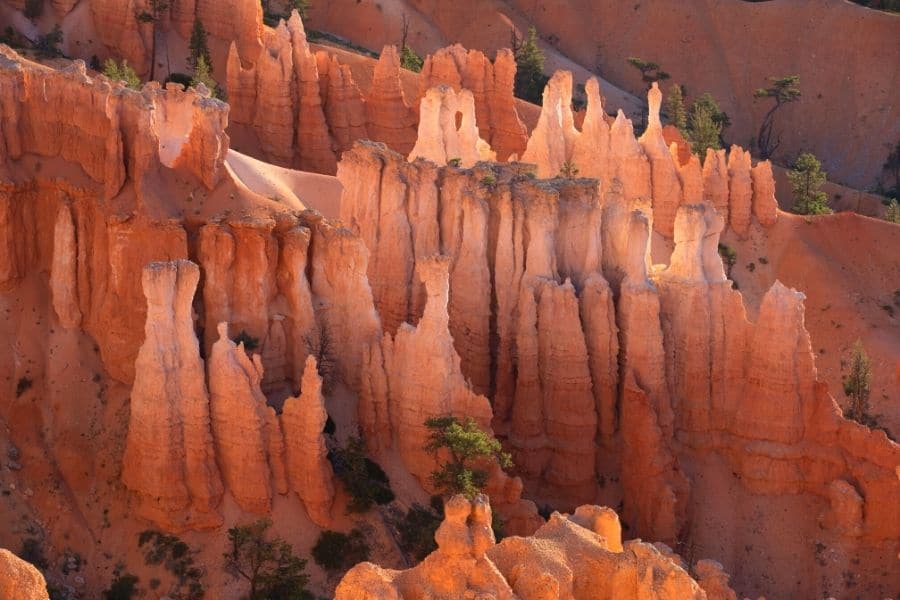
point(63, 271)
point(168, 461)
point(249, 443)
point(308, 470)
point(663, 174)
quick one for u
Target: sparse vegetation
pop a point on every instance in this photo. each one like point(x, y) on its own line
point(123, 587)
point(408, 58)
point(321, 347)
point(250, 343)
point(182, 79)
point(568, 170)
point(198, 47)
point(203, 75)
point(47, 46)
point(806, 178)
point(675, 110)
point(364, 480)
point(650, 71)
point(122, 72)
point(783, 90)
point(892, 212)
point(22, 386)
point(417, 529)
point(269, 566)
point(488, 181)
point(858, 383)
point(336, 552)
point(466, 444)
point(178, 559)
point(455, 162)
point(530, 77)
point(33, 552)
point(729, 258)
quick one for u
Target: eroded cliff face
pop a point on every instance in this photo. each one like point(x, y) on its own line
point(647, 168)
point(578, 557)
point(90, 229)
point(592, 358)
point(491, 85)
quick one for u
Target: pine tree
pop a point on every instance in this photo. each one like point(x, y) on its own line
point(408, 58)
point(121, 72)
point(203, 75)
point(858, 382)
point(806, 178)
point(783, 90)
point(269, 566)
point(530, 78)
point(703, 131)
point(675, 108)
point(650, 71)
point(199, 47)
point(468, 446)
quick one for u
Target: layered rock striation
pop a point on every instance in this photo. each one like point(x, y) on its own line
point(592, 358)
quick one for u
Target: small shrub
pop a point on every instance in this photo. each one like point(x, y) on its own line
point(22, 386)
point(177, 557)
point(33, 552)
point(123, 587)
point(410, 60)
point(47, 46)
point(763, 260)
point(417, 529)
point(250, 343)
point(182, 79)
point(337, 552)
point(488, 181)
point(568, 170)
point(729, 258)
point(364, 480)
point(751, 267)
point(122, 72)
point(498, 525)
point(455, 162)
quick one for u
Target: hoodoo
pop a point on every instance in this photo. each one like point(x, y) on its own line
point(284, 317)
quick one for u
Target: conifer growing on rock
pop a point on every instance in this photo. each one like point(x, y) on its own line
point(783, 90)
point(806, 178)
point(466, 444)
point(858, 383)
point(199, 47)
point(530, 77)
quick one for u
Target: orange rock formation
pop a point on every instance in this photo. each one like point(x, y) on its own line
point(579, 557)
point(20, 580)
point(169, 461)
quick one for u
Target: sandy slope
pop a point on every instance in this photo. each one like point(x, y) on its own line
point(297, 189)
point(846, 57)
point(849, 268)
